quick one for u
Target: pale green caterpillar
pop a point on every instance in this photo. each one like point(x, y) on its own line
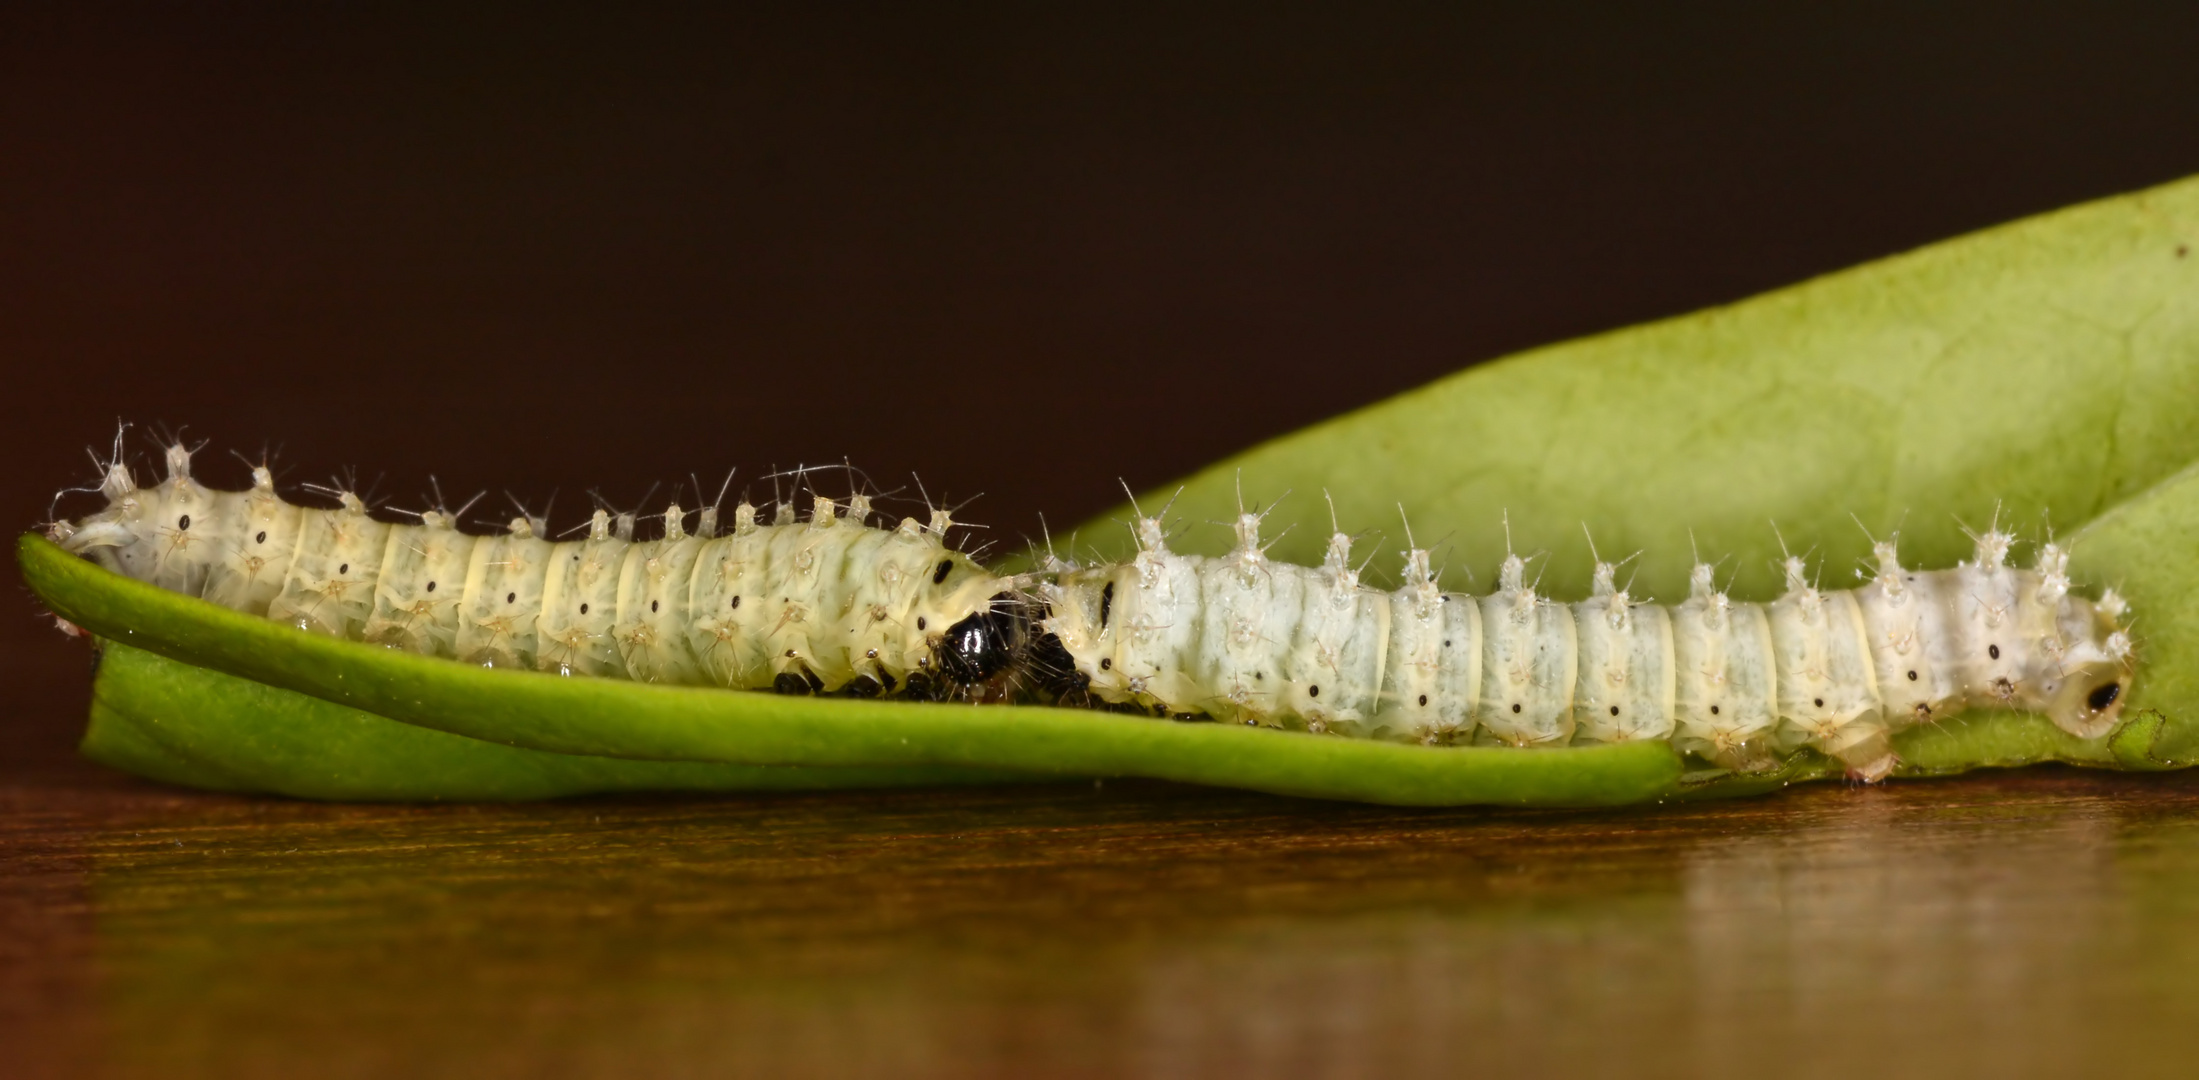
point(829, 603)
point(1243, 638)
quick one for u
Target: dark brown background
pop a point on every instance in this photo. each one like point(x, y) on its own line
point(1019, 251)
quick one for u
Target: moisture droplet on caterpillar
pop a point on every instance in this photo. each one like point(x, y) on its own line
point(832, 605)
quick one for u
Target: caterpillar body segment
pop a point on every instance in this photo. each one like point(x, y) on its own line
point(1625, 691)
point(575, 634)
point(655, 586)
point(1828, 690)
point(1243, 639)
point(1530, 652)
point(1725, 688)
point(422, 586)
point(499, 617)
point(329, 588)
point(253, 541)
point(1432, 667)
point(824, 605)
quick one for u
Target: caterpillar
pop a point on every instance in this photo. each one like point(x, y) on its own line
point(824, 604)
point(831, 604)
point(1243, 638)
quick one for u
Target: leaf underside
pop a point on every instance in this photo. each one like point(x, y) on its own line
point(2045, 371)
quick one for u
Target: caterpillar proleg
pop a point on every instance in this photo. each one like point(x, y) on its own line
point(830, 604)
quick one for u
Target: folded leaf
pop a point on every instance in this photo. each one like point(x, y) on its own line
point(2043, 372)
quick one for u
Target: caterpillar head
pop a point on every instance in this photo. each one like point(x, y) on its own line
point(965, 627)
point(142, 530)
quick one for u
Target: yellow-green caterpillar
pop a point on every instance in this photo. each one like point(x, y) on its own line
point(826, 603)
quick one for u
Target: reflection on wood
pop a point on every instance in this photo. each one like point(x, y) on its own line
point(2016, 924)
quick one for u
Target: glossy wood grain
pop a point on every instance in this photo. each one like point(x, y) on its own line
point(2035, 923)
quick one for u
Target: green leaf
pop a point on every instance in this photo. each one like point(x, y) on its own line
point(2046, 368)
point(2046, 372)
point(616, 719)
point(196, 726)
point(2049, 368)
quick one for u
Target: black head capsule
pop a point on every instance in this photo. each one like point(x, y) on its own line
point(982, 646)
point(1053, 670)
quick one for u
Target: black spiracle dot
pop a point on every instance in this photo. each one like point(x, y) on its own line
point(1515, 706)
point(652, 607)
point(736, 603)
point(1313, 691)
point(1106, 663)
point(1446, 643)
point(431, 586)
point(2103, 696)
point(344, 569)
point(584, 609)
point(920, 623)
point(511, 598)
point(183, 522)
point(1614, 710)
point(1993, 651)
point(1820, 702)
point(261, 538)
point(1714, 710)
point(1423, 701)
point(1912, 676)
point(945, 567)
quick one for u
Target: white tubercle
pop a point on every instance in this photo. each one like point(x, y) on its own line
point(2053, 571)
point(117, 484)
point(179, 462)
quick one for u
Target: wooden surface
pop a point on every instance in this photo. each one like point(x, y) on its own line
point(2034, 923)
